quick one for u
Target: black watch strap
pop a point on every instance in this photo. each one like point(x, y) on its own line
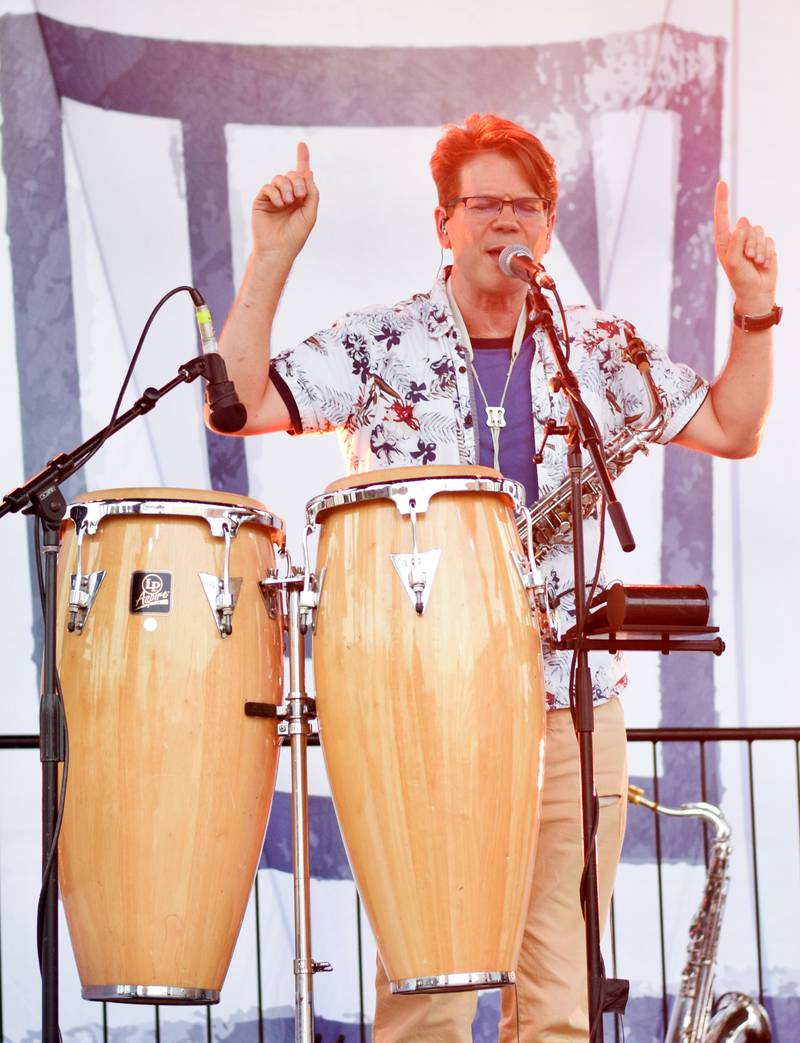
point(754, 323)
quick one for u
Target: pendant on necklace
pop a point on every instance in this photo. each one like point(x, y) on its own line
point(495, 417)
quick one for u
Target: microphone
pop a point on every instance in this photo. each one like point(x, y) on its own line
point(517, 261)
point(226, 412)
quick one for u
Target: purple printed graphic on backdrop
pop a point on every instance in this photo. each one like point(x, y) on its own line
point(555, 90)
point(38, 242)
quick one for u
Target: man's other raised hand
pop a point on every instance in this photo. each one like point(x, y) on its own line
point(285, 210)
point(748, 257)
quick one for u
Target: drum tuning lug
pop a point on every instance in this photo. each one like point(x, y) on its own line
point(538, 598)
point(83, 591)
point(417, 569)
point(83, 586)
point(416, 572)
point(309, 600)
point(222, 601)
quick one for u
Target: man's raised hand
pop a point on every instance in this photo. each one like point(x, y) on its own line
point(285, 210)
point(748, 256)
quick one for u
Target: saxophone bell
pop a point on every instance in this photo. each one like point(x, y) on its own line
point(696, 1017)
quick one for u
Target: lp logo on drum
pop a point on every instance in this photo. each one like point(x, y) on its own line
point(151, 591)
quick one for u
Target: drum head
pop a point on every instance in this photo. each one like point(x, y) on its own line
point(410, 474)
point(156, 492)
point(213, 505)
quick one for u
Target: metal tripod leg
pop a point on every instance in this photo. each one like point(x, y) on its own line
point(298, 716)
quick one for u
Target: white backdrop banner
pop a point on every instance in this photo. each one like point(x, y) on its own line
point(132, 145)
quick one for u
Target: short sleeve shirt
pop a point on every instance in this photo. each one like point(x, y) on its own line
point(396, 384)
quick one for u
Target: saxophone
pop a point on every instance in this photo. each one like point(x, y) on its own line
point(695, 1017)
point(550, 519)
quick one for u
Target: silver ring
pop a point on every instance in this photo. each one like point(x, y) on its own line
point(453, 982)
point(149, 994)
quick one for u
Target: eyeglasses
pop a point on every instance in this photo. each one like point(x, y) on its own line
point(526, 208)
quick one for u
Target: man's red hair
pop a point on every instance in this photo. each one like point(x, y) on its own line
point(490, 133)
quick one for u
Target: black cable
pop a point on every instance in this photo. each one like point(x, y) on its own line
point(562, 313)
point(196, 298)
point(595, 803)
point(579, 634)
point(49, 862)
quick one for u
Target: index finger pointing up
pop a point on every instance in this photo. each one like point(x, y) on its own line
point(722, 220)
point(303, 165)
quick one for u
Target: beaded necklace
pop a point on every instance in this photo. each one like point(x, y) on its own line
point(495, 415)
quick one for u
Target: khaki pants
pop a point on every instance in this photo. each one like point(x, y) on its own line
point(549, 1001)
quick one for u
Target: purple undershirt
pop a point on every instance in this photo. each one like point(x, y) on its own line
point(492, 358)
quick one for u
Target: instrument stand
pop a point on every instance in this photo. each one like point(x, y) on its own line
point(41, 496)
point(580, 431)
point(294, 720)
point(50, 510)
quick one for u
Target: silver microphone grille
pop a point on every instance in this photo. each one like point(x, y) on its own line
point(515, 250)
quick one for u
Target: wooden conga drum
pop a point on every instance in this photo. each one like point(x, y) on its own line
point(430, 699)
point(163, 636)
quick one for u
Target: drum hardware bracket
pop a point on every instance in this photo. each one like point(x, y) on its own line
point(83, 591)
point(221, 600)
point(309, 600)
point(312, 588)
point(223, 592)
point(267, 586)
point(302, 726)
point(297, 716)
point(417, 569)
point(540, 600)
point(308, 586)
point(83, 588)
point(218, 517)
point(311, 967)
point(414, 495)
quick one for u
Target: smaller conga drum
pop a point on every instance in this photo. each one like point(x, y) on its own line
point(164, 635)
point(430, 698)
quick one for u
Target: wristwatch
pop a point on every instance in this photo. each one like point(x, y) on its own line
point(755, 323)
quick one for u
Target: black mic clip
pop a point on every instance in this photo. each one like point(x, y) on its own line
point(226, 411)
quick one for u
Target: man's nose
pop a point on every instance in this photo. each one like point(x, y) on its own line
point(510, 215)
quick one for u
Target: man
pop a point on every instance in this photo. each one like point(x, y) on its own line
point(432, 380)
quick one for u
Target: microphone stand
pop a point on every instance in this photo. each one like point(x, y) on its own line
point(579, 430)
point(42, 497)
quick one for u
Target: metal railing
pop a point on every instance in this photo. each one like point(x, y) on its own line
point(700, 738)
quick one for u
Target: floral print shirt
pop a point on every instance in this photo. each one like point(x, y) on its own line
point(396, 384)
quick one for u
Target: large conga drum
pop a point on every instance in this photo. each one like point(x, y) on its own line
point(164, 635)
point(430, 698)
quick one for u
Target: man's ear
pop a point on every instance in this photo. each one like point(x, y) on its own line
point(551, 221)
point(440, 216)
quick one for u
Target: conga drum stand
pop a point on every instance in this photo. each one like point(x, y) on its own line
point(295, 717)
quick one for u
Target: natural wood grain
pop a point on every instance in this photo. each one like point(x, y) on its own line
point(432, 727)
point(169, 782)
